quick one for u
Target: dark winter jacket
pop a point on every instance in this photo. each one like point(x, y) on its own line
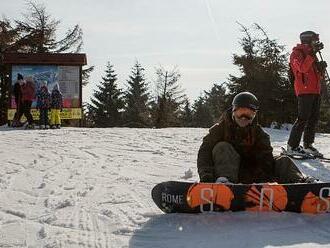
point(307, 77)
point(56, 102)
point(43, 98)
point(251, 143)
point(28, 91)
point(17, 90)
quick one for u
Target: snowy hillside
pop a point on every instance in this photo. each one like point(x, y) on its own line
point(91, 188)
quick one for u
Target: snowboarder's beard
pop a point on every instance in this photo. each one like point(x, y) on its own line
point(243, 120)
point(244, 116)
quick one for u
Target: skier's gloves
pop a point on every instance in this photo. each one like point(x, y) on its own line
point(317, 46)
point(321, 66)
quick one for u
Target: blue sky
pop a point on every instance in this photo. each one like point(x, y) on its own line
point(197, 36)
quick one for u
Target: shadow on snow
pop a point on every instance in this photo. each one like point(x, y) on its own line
point(240, 229)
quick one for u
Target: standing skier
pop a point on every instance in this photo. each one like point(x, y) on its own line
point(28, 94)
point(43, 104)
point(17, 92)
point(308, 73)
point(237, 150)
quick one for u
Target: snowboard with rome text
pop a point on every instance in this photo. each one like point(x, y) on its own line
point(187, 197)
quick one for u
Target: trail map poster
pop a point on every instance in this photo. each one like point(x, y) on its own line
point(67, 77)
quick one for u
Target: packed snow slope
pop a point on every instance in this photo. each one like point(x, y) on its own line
point(77, 187)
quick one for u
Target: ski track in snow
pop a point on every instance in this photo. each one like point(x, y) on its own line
point(77, 187)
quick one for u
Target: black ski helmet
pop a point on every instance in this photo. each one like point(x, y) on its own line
point(19, 76)
point(308, 36)
point(245, 100)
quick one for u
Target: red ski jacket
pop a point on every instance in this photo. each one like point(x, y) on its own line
point(307, 77)
point(28, 91)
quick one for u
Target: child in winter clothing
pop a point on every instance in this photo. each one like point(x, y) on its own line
point(43, 104)
point(56, 107)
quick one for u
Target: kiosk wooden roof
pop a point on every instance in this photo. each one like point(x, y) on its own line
point(45, 58)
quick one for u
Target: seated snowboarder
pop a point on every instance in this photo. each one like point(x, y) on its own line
point(237, 150)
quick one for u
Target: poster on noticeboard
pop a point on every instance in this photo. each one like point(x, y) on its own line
point(67, 77)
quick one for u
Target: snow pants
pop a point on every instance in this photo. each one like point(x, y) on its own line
point(26, 110)
point(17, 113)
point(43, 117)
point(55, 118)
point(308, 116)
point(227, 164)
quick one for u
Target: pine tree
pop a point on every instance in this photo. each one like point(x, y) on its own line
point(202, 115)
point(137, 112)
point(264, 67)
point(169, 98)
point(8, 37)
point(38, 32)
point(216, 101)
point(186, 116)
point(107, 102)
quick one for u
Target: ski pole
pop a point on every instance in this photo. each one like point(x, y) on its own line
point(326, 79)
point(325, 70)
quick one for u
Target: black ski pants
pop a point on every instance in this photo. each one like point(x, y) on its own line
point(18, 106)
point(26, 110)
point(308, 116)
point(43, 118)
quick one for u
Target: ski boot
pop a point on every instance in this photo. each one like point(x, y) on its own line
point(310, 149)
point(29, 126)
point(296, 151)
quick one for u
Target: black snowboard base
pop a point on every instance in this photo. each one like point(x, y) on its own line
point(187, 197)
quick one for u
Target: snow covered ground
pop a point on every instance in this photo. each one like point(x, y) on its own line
point(78, 187)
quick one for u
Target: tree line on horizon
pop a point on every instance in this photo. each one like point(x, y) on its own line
point(263, 66)
point(263, 69)
point(165, 105)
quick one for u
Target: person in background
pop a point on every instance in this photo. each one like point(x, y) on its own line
point(28, 94)
point(43, 104)
point(56, 107)
point(237, 150)
point(308, 73)
point(17, 92)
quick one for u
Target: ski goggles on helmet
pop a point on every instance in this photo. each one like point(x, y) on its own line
point(246, 113)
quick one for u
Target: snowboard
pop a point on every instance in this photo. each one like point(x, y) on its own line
point(187, 197)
